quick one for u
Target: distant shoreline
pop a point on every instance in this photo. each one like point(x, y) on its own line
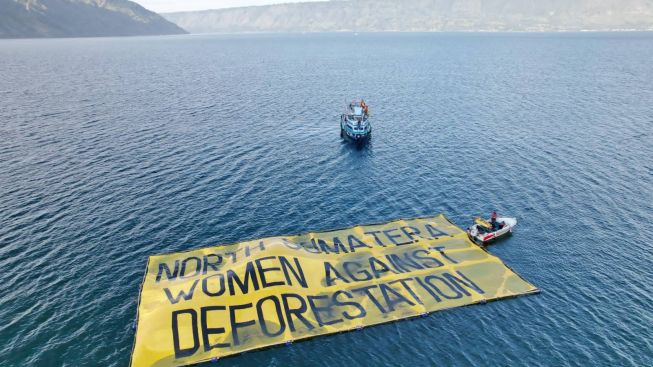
point(623, 31)
point(425, 32)
point(424, 16)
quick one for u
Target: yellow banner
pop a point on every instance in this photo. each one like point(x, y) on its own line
point(218, 301)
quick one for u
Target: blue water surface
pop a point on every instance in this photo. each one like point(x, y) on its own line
point(119, 148)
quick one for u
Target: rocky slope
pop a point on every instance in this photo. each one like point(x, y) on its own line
point(79, 18)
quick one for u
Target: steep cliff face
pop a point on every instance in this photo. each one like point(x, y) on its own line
point(425, 15)
point(79, 18)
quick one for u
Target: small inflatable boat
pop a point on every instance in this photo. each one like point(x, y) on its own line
point(354, 123)
point(482, 232)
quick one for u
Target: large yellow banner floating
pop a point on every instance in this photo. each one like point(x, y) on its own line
point(213, 302)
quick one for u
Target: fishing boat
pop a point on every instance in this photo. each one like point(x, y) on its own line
point(482, 232)
point(354, 123)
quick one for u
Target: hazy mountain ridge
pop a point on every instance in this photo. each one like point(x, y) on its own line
point(424, 15)
point(79, 18)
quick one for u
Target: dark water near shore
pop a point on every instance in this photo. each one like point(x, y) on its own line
point(115, 149)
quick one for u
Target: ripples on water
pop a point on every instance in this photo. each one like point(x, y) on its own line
point(116, 149)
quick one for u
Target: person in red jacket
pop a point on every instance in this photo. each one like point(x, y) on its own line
point(493, 220)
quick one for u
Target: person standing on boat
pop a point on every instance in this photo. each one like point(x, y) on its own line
point(493, 220)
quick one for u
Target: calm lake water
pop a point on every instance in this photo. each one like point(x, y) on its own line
point(115, 149)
